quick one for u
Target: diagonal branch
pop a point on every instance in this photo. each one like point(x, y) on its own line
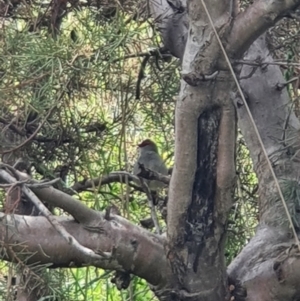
point(252, 23)
point(88, 254)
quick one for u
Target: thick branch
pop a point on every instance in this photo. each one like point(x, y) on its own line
point(252, 23)
point(268, 267)
point(77, 209)
point(133, 248)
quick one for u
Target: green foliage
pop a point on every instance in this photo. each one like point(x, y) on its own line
point(73, 102)
point(244, 214)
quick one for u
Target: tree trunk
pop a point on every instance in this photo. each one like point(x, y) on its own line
point(201, 188)
point(278, 127)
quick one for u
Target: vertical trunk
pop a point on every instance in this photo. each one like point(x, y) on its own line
point(279, 129)
point(201, 188)
point(277, 124)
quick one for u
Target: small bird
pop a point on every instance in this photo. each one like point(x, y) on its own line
point(149, 157)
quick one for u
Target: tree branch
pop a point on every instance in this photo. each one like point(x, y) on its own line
point(57, 198)
point(120, 177)
point(114, 177)
point(133, 249)
point(254, 21)
point(88, 254)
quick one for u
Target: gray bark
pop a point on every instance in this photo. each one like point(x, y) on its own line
point(278, 127)
point(261, 267)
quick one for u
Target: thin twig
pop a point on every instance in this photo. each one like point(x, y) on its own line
point(18, 183)
point(281, 86)
point(43, 184)
point(39, 126)
point(33, 134)
point(151, 205)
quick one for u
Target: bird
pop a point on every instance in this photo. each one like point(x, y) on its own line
point(150, 158)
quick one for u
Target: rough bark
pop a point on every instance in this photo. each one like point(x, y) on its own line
point(202, 182)
point(132, 248)
point(277, 125)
